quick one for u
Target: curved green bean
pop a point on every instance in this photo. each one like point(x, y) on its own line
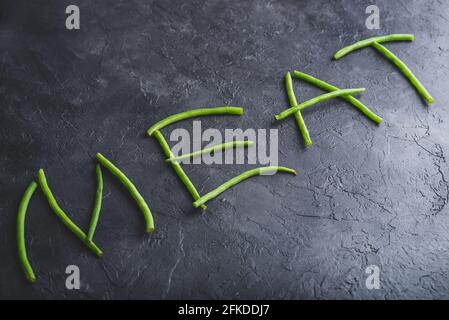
point(215, 148)
point(177, 167)
point(367, 42)
point(232, 182)
point(405, 70)
point(23, 205)
point(132, 190)
point(321, 98)
point(62, 216)
point(328, 87)
point(195, 113)
point(97, 204)
point(293, 102)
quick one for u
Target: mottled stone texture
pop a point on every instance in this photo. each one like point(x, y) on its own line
point(365, 194)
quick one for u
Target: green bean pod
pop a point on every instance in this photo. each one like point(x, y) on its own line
point(368, 42)
point(131, 189)
point(97, 205)
point(324, 97)
point(236, 180)
point(63, 216)
point(215, 148)
point(405, 70)
point(238, 111)
point(298, 116)
point(23, 205)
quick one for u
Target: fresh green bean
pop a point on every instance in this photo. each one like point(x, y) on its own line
point(62, 216)
point(132, 190)
point(215, 148)
point(232, 182)
point(194, 113)
point(328, 87)
point(367, 42)
point(97, 204)
point(177, 167)
point(21, 231)
point(405, 70)
point(298, 115)
point(321, 98)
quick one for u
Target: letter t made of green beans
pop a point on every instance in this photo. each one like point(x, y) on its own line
point(375, 42)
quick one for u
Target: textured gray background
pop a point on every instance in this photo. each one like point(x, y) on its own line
point(364, 195)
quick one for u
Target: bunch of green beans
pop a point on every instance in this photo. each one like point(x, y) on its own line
point(199, 201)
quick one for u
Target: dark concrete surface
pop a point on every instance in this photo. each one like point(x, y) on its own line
point(365, 194)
